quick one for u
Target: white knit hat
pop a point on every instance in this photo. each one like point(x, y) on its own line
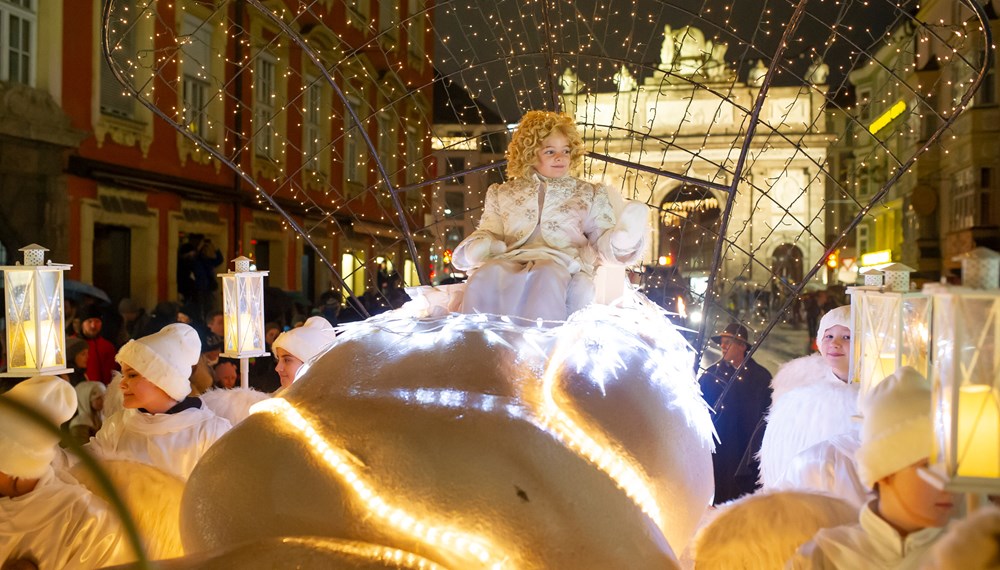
point(26, 448)
point(839, 316)
point(308, 340)
point(896, 428)
point(165, 358)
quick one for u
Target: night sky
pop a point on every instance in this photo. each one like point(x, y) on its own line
point(499, 49)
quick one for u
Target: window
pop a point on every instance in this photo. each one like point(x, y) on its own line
point(864, 106)
point(455, 164)
point(863, 239)
point(196, 55)
point(17, 41)
point(987, 94)
point(415, 27)
point(388, 17)
point(311, 130)
point(386, 143)
point(454, 205)
point(414, 167)
point(930, 120)
point(264, 94)
point(355, 157)
point(115, 98)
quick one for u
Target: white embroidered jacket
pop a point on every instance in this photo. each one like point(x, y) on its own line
point(575, 220)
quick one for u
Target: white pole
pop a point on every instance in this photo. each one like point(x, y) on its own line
point(244, 373)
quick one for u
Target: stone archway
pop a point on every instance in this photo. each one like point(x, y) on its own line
point(689, 226)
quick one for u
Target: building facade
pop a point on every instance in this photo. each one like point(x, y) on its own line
point(944, 204)
point(698, 133)
point(115, 190)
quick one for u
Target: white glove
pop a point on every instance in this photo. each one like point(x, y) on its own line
point(631, 226)
point(483, 248)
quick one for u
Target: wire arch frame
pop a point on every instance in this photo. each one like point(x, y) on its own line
point(510, 65)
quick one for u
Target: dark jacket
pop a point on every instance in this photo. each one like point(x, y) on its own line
point(737, 417)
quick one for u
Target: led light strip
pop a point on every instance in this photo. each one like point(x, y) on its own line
point(465, 545)
point(621, 471)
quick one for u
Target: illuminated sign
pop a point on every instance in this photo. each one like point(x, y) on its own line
point(887, 117)
point(876, 258)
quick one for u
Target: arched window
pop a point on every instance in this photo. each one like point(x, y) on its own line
point(786, 264)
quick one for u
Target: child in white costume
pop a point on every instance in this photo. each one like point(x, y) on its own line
point(897, 528)
point(543, 232)
point(45, 516)
point(810, 438)
point(160, 425)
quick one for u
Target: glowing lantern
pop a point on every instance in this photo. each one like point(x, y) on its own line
point(891, 326)
point(966, 376)
point(36, 325)
point(243, 310)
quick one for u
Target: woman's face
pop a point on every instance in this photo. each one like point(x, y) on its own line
point(287, 366)
point(552, 159)
point(836, 348)
point(138, 392)
point(80, 360)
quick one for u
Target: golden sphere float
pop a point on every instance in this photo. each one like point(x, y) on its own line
point(475, 442)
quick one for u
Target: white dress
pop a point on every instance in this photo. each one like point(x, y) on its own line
point(556, 231)
point(172, 443)
point(60, 524)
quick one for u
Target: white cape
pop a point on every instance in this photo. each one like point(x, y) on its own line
point(810, 406)
point(60, 524)
point(172, 443)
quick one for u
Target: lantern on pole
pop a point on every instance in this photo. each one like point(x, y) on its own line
point(891, 326)
point(36, 324)
point(966, 377)
point(243, 311)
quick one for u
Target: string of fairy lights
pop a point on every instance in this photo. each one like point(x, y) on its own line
point(245, 95)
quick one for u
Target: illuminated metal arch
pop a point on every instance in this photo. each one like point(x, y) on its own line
point(550, 53)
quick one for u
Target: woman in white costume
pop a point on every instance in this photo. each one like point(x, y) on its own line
point(161, 424)
point(294, 348)
point(811, 436)
point(543, 232)
point(46, 517)
point(896, 529)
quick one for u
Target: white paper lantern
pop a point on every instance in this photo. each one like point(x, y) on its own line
point(36, 325)
point(966, 381)
point(891, 327)
point(243, 309)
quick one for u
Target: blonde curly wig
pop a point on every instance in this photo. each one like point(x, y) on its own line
point(532, 130)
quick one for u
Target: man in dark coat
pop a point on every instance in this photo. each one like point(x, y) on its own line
point(739, 411)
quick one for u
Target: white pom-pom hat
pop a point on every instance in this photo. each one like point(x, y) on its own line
point(308, 340)
point(165, 358)
point(26, 448)
point(896, 429)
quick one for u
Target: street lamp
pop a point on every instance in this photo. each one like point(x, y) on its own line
point(36, 325)
point(243, 311)
point(891, 326)
point(966, 377)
